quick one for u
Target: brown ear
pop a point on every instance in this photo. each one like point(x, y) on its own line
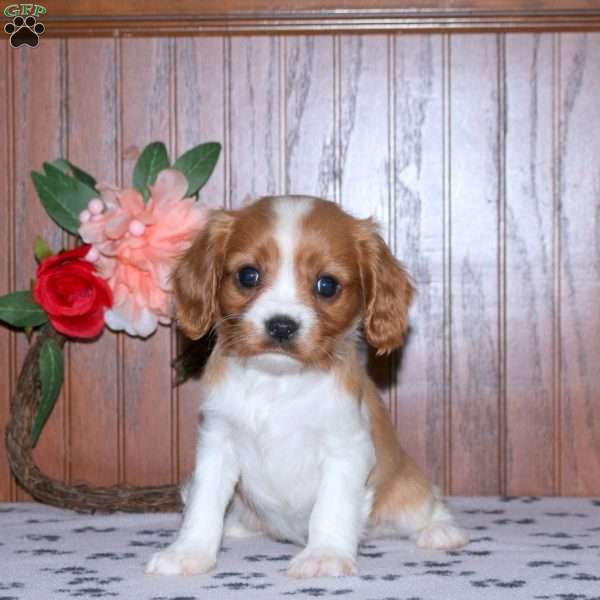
point(197, 276)
point(387, 291)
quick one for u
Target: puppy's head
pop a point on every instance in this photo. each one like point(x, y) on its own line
point(288, 280)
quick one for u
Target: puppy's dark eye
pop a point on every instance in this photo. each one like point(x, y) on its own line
point(249, 277)
point(326, 286)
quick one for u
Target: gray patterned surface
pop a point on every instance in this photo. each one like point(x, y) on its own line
point(546, 549)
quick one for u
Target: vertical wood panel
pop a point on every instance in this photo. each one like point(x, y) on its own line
point(201, 104)
point(6, 258)
point(418, 203)
point(474, 248)
point(363, 138)
point(255, 118)
point(200, 118)
point(92, 145)
point(363, 127)
point(147, 387)
point(39, 95)
point(579, 139)
point(309, 116)
point(529, 275)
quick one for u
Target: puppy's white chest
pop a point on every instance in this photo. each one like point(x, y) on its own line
point(283, 428)
point(279, 468)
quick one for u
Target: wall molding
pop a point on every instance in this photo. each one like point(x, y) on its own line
point(323, 21)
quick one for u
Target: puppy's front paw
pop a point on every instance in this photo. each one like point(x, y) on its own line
point(441, 536)
point(179, 561)
point(321, 562)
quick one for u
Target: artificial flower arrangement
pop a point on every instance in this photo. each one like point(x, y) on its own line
point(117, 276)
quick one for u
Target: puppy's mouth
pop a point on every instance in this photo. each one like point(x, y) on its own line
point(279, 350)
point(282, 352)
point(283, 347)
point(275, 362)
point(254, 345)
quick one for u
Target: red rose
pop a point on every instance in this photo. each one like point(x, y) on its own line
point(74, 297)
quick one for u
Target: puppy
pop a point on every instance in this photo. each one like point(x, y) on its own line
point(295, 441)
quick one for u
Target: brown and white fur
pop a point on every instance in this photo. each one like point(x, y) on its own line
point(295, 441)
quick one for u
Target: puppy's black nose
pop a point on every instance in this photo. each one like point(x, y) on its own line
point(281, 328)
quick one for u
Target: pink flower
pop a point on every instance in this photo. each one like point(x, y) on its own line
point(135, 246)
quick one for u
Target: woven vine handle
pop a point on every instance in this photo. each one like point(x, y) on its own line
point(77, 496)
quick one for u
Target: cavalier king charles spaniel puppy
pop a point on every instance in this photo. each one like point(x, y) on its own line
point(295, 441)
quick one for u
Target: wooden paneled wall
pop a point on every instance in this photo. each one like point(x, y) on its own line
point(480, 156)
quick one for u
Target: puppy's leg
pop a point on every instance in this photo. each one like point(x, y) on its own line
point(441, 531)
point(338, 516)
point(407, 505)
point(207, 496)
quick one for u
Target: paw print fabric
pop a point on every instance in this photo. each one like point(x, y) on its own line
point(521, 548)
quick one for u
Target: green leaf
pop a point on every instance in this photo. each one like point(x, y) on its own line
point(41, 249)
point(62, 165)
point(198, 164)
point(68, 168)
point(52, 365)
point(151, 162)
point(62, 196)
point(20, 310)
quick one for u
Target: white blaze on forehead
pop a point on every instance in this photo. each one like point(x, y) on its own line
point(282, 297)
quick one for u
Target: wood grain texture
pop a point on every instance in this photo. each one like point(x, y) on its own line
point(579, 186)
point(200, 104)
point(417, 206)
point(363, 127)
point(474, 270)
point(363, 149)
point(309, 116)
point(92, 145)
point(477, 154)
point(200, 110)
point(146, 89)
point(39, 83)
point(528, 80)
point(254, 143)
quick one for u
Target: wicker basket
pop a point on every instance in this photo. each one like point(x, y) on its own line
point(77, 496)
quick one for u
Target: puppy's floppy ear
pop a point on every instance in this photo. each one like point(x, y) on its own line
point(198, 274)
point(387, 291)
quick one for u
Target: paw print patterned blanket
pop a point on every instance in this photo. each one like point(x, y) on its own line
point(546, 549)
